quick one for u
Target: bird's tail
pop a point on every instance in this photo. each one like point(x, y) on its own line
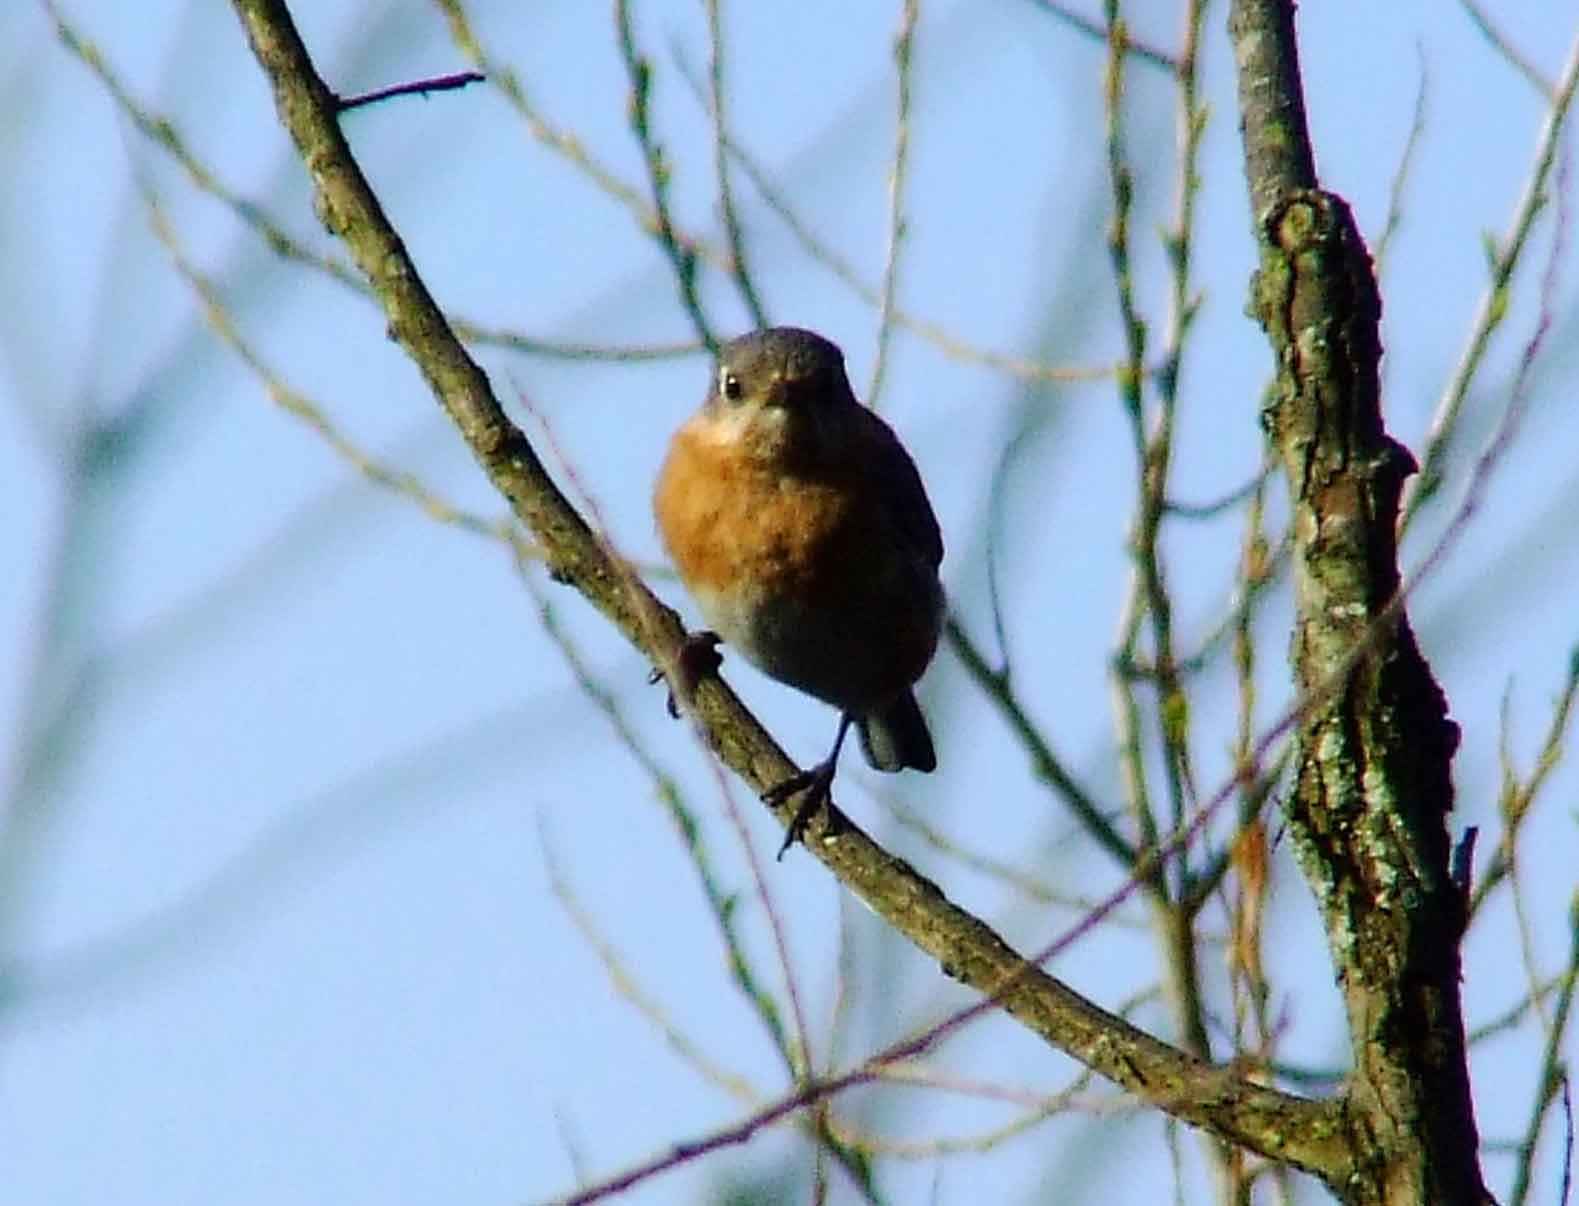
point(896, 737)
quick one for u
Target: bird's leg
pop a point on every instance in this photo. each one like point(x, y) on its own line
point(696, 658)
point(816, 782)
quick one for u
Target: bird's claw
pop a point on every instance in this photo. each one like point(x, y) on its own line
point(817, 784)
point(696, 658)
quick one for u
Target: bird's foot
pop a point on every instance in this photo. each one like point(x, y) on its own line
point(817, 786)
point(697, 658)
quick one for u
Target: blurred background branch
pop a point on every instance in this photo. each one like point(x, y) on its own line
point(281, 759)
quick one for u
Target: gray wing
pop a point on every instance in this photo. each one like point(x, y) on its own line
point(909, 509)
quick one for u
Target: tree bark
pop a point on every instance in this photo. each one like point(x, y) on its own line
point(1375, 744)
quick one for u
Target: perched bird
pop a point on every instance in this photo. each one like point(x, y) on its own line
point(799, 524)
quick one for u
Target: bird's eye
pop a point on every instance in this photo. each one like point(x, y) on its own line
point(729, 385)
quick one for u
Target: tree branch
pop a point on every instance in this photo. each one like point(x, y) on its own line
point(1278, 156)
point(1375, 744)
point(1280, 1125)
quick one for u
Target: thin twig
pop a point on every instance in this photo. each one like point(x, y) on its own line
point(854, 1162)
point(1104, 34)
point(162, 132)
point(1249, 850)
point(798, 1058)
point(1406, 162)
point(422, 88)
point(1511, 1017)
point(1552, 1075)
point(480, 335)
point(1072, 1100)
point(719, 899)
point(993, 540)
point(898, 169)
point(794, 1051)
point(1493, 305)
point(917, 1044)
point(821, 253)
point(1126, 709)
point(304, 408)
point(1045, 763)
point(1226, 502)
point(1252, 802)
point(720, 902)
point(626, 986)
point(1156, 466)
point(739, 267)
point(541, 128)
point(651, 213)
point(1518, 797)
point(1019, 882)
point(1133, 371)
point(1273, 566)
point(1504, 47)
point(681, 253)
point(1507, 428)
point(1566, 1187)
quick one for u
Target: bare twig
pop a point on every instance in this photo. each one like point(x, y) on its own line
point(1212, 508)
point(1030, 887)
point(1272, 567)
point(163, 133)
point(1131, 376)
point(682, 255)
point(898, 169)
point(541, 128)
point(625, 985)
point(1552, 1076)
point(1039, 1107)
point(992, 539)
point(1518, 797)
point(1104, 33)
point(1045, 763)
point(739, 268)
point(821, 253)
point(917, 1044)
point(1156, 465)
point(1406, 162)
point(304, 408)
point(1500, 43)
point(747, 978)
point(719, 899)
point(1506, 430)
point(1493, 305)
point(441, 83)
point(1513, 1016)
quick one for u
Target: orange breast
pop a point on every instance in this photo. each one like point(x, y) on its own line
point(803, 573)
point(734, 523)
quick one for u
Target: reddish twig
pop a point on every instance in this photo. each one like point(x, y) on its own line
point(439, 83)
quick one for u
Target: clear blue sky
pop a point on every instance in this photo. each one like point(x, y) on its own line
point(280, 927)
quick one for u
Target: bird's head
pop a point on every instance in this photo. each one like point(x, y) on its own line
point(780, 390)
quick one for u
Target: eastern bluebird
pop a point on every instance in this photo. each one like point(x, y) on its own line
point(799, 524)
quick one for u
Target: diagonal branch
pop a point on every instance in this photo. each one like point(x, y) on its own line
point(1220, 1099)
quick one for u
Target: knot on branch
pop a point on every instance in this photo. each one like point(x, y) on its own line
point(1315, 295)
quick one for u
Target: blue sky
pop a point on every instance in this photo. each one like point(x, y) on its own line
point(280, 924)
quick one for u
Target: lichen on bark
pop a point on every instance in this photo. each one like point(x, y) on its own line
point(1373, 782)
